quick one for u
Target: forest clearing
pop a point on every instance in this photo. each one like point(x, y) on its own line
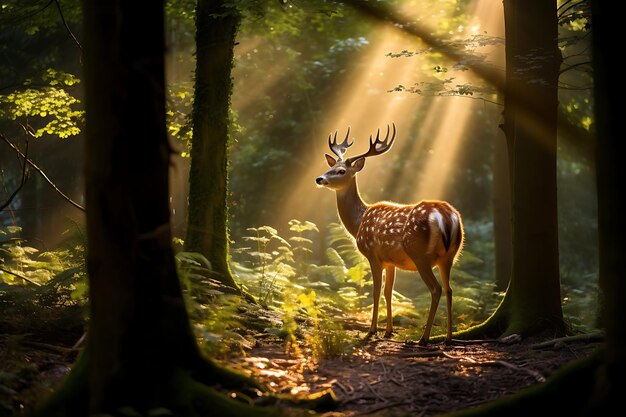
point(325, 207)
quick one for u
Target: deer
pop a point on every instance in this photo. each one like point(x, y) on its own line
point(413, 237)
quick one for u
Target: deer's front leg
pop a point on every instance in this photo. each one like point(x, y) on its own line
point(390, 276)
point(377, 276)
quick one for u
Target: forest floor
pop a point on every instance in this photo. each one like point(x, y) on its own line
point(379, 377)
point(390, 377)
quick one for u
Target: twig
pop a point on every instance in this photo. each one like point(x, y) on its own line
point(376, 394)
point(79, 342)
point(473, 341)
point(20, 276)
point(385, 406)
point(22, 182)
point(429, 354)
point(42, 173)
point(587, 337)
point(66, 26)
point(346, 390)
point(535, 374)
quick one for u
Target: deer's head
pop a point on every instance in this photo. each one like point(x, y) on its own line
point(342, 171)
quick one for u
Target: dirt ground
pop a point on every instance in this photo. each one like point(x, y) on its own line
point(380, 377)
point(388, 377)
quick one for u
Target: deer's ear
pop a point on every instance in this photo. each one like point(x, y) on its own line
point(330, 160)
point(358, 164)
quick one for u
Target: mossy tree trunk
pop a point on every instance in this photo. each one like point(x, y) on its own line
point(207, 223)
point(141, 353)
point(532, 302)
point(593, 386)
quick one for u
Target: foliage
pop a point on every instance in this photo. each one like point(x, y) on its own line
point(214, 314)
point(56, 277)
point(319, 298)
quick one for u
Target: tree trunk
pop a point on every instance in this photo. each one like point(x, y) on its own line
point(141, 353)
point(592, 387)
point(533, 63)
point(207, 224)
point(532, 302)
point(502, 225)
point(610, 184)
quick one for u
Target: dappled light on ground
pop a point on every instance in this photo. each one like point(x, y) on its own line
point(400, 376)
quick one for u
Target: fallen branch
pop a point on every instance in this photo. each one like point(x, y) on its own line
point(428, 354)
point(586, 337)
point(42, 173)
point(534, 374)
point(20, 276)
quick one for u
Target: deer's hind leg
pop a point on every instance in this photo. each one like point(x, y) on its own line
point(445, 267)
point(426, 272)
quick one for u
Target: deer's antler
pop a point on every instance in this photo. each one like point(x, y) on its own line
point(377, 146)
point(341, 148)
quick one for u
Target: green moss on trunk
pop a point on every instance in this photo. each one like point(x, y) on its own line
point(207, 223)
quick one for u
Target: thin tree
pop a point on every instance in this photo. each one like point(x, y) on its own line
point(207, 218)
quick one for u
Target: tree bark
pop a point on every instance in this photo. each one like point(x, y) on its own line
point(141, 352)
point(611, 227)
point(207, 223)
point(532, 302)
point(502, 224)
point(533, 61)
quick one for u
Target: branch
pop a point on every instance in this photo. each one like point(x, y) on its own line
point(569, 67)
point(20, 276)
point(386, 14)
point(585, 338)
point(43, 174)
point(66, 26)
point(22, 182)
point(29, 15)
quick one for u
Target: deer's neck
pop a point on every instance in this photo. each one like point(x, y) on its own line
point(351, 207)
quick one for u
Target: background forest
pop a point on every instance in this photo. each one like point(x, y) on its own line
point(301, 70)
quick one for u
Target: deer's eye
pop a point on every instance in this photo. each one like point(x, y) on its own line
point(341, 171)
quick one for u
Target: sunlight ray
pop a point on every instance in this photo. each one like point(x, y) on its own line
point(432, 146)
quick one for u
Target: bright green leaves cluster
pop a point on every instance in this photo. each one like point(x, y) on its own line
point(47, 110)
point(179, 104)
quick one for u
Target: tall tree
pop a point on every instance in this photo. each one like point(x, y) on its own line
point(207, 224)
point(592, 387)
point(533, 301)
point(141, 353)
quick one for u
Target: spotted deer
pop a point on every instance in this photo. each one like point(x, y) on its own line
point(414, 237)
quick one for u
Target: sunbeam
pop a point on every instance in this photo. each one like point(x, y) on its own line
point(430, 129)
